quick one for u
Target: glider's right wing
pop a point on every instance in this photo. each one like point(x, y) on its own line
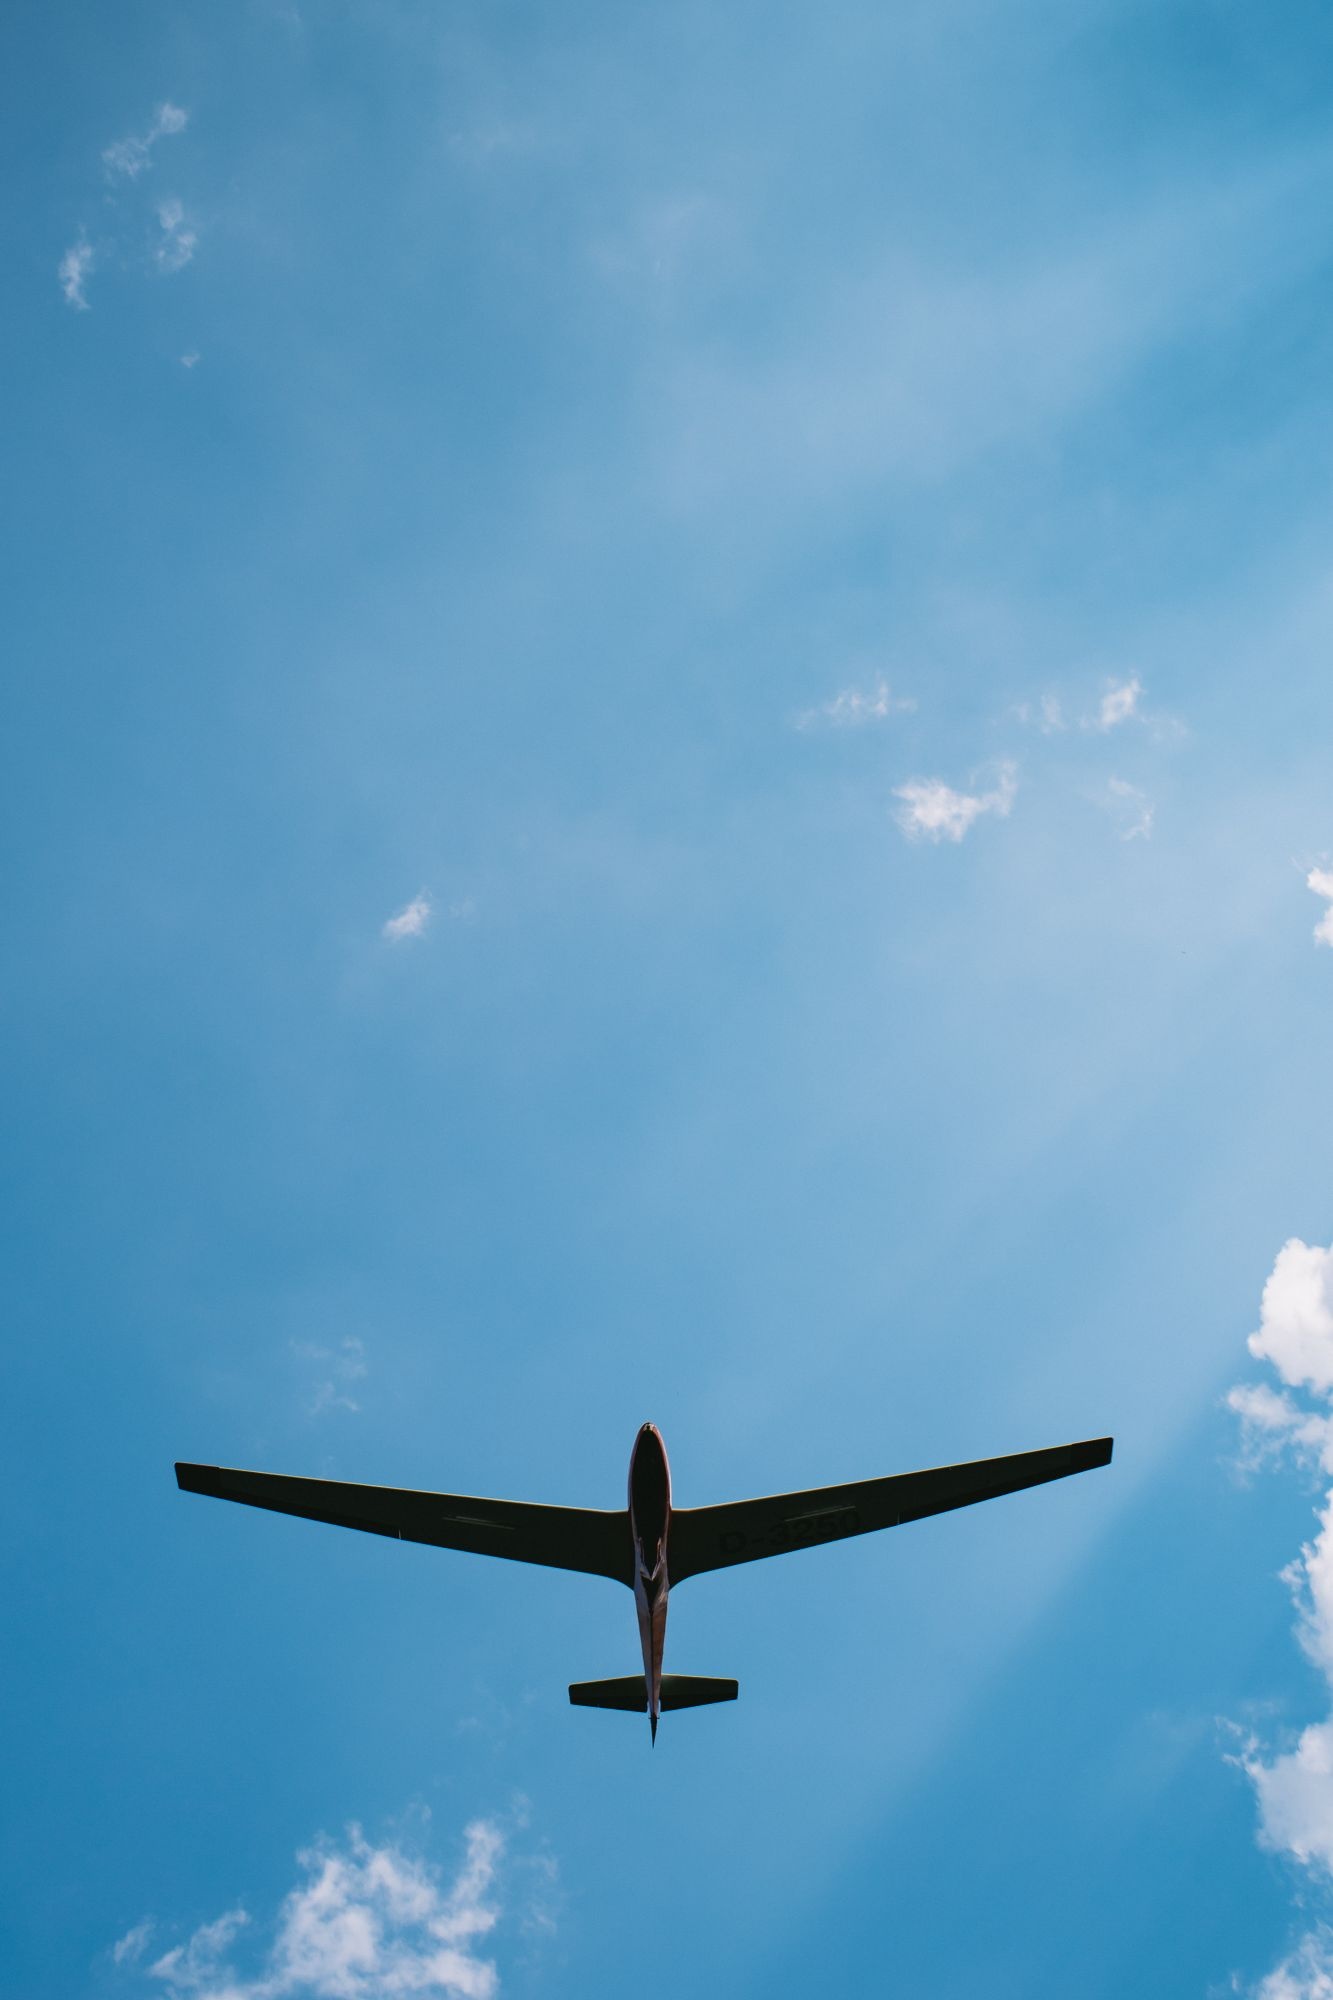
point(704, 1538)
point(579, 1538)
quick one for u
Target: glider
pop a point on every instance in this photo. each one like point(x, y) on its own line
point(649, 1545)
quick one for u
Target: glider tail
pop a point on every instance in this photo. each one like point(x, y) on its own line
point(631, 1692)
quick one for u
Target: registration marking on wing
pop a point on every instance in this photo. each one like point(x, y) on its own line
point(794, 1531)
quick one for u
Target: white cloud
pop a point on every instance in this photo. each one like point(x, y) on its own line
point(131, 1948)
point(1306, 1975)
point(1310, 1578)
point(1294, 1787)
point(198, 1965)
point(177, 238)
point(1119, 704)
point(75, 265)
point(365, 1923)
point(855, 706)
point(190, 360)
point(1296, 1317)
point(178, 241)
point(1121, 701)
point(410, 922)
point(125, 159)
point(1295, 1793)
point(1132, 808)
point(1321, 881)
point(932, 810)
point(1272, 1425)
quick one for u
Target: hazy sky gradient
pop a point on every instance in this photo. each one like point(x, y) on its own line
point(668, 740)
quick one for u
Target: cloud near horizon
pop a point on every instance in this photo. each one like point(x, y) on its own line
point(1320, 880)
point(1305, 1975)
point(364, 1923)
point(932, 810)
point(1294, 1787)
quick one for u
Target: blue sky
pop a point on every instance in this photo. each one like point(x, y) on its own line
point(667, 757)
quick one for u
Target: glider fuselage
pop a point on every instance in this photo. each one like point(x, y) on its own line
point(650, 1525)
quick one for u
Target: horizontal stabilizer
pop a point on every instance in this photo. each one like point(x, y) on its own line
point(695, 1690)
point(630, 1692)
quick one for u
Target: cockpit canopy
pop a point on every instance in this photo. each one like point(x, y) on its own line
point(649, 1494)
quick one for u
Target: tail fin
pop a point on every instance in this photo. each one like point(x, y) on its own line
point(630, 1692)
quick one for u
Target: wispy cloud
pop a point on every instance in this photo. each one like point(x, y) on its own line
point(363, 1923)
point(340, 1368)
point(1321, 881)
point(853, 707)
point(1120, 703)
point(131, 1948)
point(412, 921)
point(1294, 1787)
point(178, 240)
point(932, 810)
point(1273, 1425)
point(1047, 714)
point(1132, 809)
point(199, 1966)
point(75, 266)
point(1306, 1975)
point(409, 922)
point(125, 159)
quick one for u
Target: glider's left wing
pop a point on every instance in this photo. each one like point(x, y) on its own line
point(560, 1537)
point(704, 1538)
